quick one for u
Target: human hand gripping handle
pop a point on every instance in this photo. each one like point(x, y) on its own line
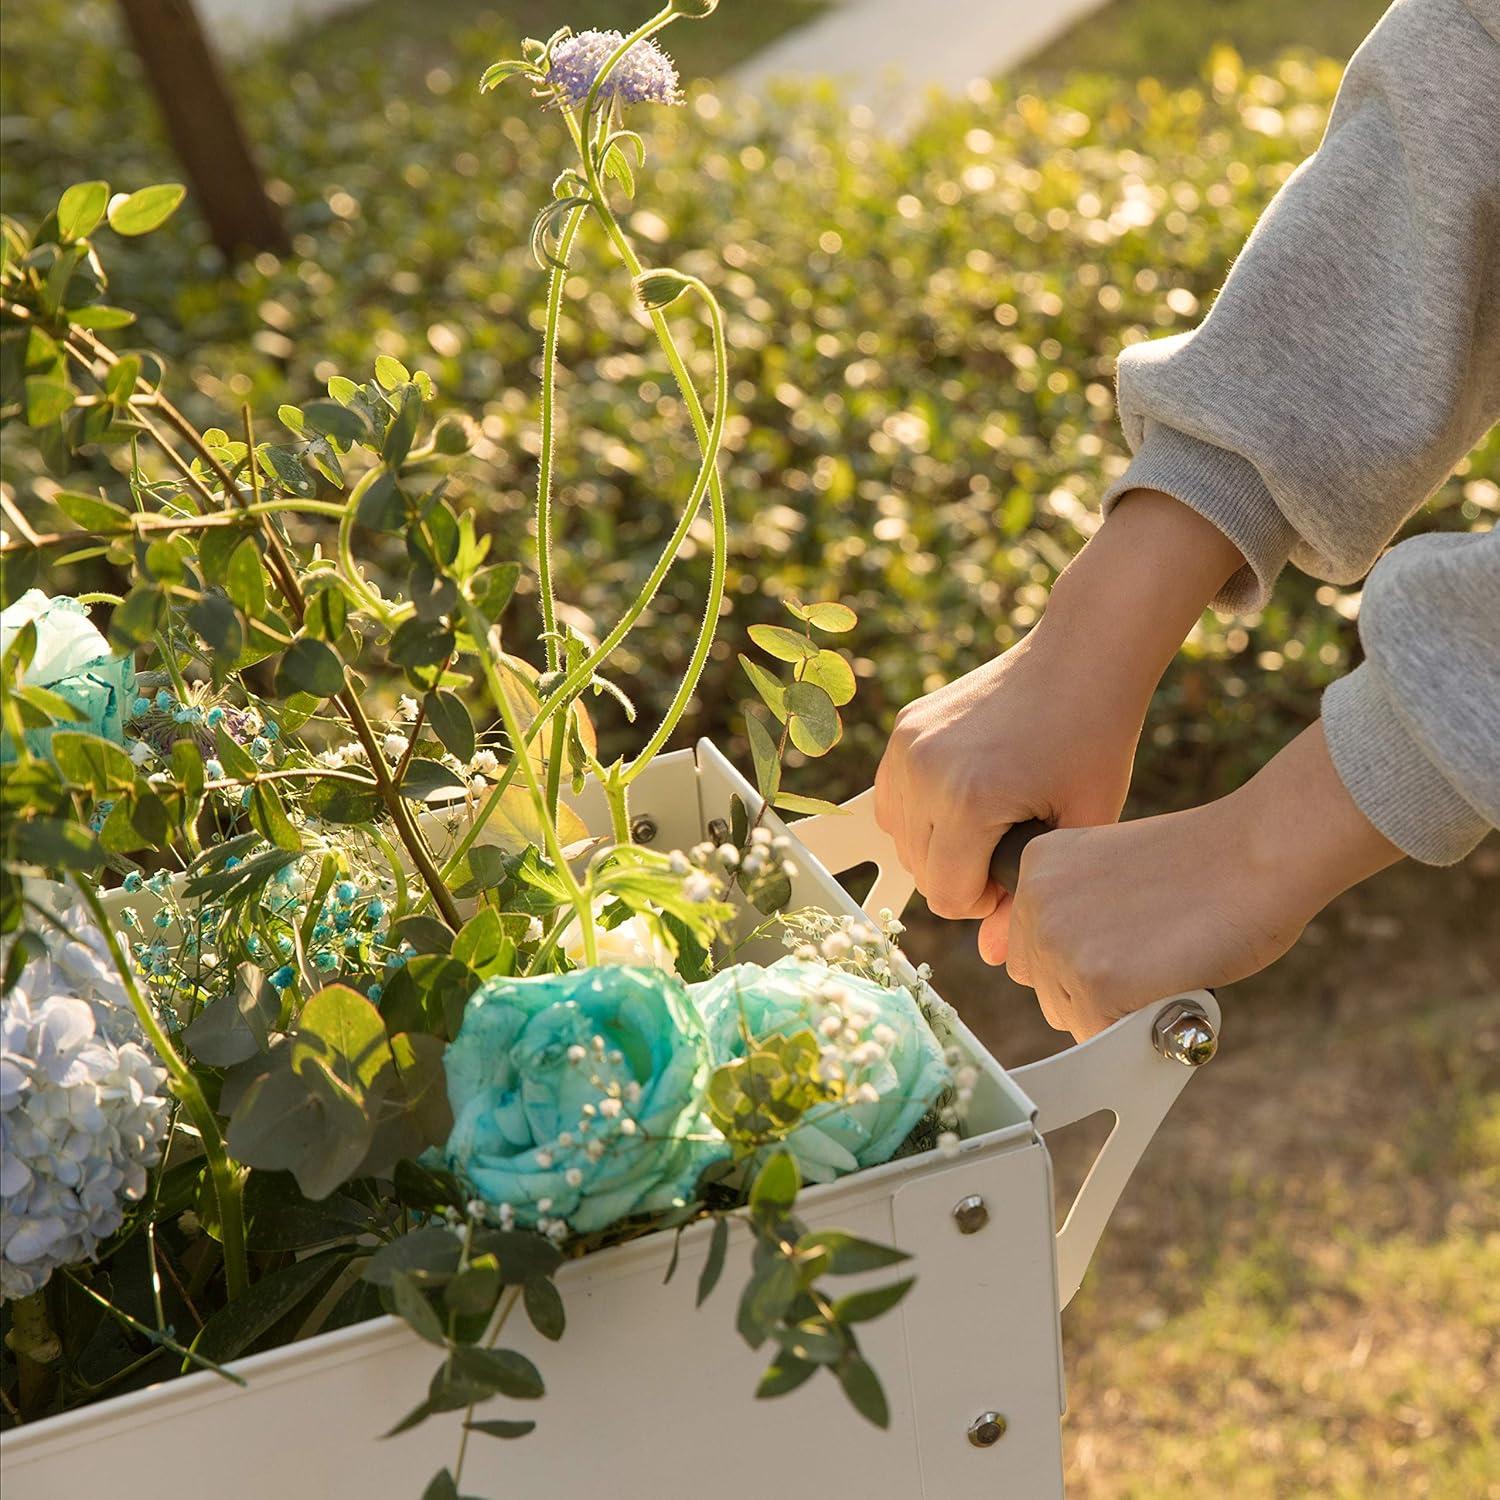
point(1048, 730)
point(1005, 862)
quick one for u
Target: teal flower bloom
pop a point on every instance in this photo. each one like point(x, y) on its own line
point(892, 1064)
point(579, 1096)
point(73, 660)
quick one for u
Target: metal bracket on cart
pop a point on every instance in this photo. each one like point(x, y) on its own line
point(1134, 1070)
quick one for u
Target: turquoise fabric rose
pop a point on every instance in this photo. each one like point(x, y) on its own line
point(73, 660)
point(892, 1064)
point(578, 1097)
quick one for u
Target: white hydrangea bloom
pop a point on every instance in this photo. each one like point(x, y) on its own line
point(80, 965)
point(82, 1117)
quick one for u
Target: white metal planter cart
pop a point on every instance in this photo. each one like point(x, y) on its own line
point(648, 1399)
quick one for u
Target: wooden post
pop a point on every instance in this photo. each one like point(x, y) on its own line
point(203, 127)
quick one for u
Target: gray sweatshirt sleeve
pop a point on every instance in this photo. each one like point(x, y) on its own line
point(1350, 361)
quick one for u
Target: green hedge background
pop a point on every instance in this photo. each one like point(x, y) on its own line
point(923, 332)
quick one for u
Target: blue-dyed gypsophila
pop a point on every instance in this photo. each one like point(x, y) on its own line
point(82, 1120)
point(874, 1043)
point(577, 1098)
point(645, 74)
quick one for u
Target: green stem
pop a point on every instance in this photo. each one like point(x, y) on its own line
point(556, 280)
point(386, 611)
point(220, 1168)
point(579, 898)
point(157, 1335)
point(715, 602)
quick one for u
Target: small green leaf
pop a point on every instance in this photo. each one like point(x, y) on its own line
point(713, 1266)
point(403, 430)
point(424, 777)
point(80, 209)
point(835, 619)
point(848, 1255)
point(776, 1184)
point(149, 208)
point(862, 1387)
point(87, 760)
point(442, 1486)
point(100, 318)
point(503, 1371)
point(309, 666)
point(55, 845)
point(414, 1418)
point(345, 424)
point(382, 507)
point(473, 1291)
point(771, 689)
point(235, 1327)
point(390, 372)
point(783, 644)
point(47, 400)
point(766, 757)
point(498, 72)
point(425, 934)
point(544, 1306)
point(245, 579)
point(268, 817)
point(785, 1374)
point(429, 1251)
point(830, 670)
point(815, 724)
point(421, 643)
point(327, 611)
point(791, 802)
point(501, 1429)
point(416, 1310)
point(93, 512)
point(860, 1307)
point(450, 722)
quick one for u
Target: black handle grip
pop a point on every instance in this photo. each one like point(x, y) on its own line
point(1005, 862)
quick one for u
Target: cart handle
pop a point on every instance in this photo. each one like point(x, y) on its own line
point(1134, 1070)
point(851, 836)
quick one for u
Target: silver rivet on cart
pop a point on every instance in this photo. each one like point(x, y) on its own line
point(643, 828)
point(986, 1429)
point(1183, 1033)
point(718, 830)
point(971, 1214)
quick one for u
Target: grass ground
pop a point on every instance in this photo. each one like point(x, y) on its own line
point(1167, 39)
point(1299, 1294)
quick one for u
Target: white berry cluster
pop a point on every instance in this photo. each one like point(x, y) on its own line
point(83, 1115)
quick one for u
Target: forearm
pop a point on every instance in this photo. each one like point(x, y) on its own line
point(1124, 605)
point(1298, 836)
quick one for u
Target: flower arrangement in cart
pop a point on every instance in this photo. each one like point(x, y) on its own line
point(315, 1007)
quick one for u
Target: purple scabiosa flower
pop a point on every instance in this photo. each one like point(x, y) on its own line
point(645, 75)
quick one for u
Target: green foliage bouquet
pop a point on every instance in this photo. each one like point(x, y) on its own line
point(310, 999)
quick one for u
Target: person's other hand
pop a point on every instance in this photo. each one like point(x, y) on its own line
point(1109, 919)
point(1049, 729)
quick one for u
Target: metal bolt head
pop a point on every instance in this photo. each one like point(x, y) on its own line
point(718, 830)
point(1184, 1034)
point(971, 1214)
point(987, 1429)
point(643, 828)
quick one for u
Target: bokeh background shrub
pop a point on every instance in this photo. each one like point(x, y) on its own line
point(923, 331)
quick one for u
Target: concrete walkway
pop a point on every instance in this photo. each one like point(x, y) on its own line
point(890, 53)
